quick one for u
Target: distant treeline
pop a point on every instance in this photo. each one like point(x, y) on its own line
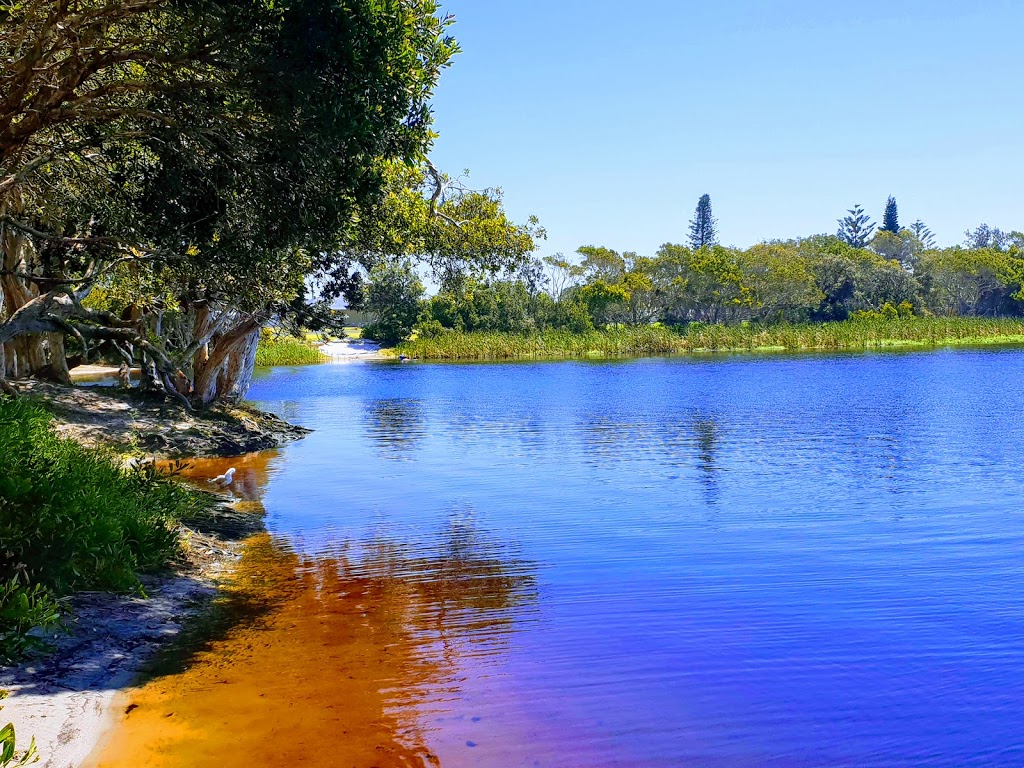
point(815, 279)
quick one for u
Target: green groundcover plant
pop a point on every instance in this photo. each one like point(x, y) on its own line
point(73, 518)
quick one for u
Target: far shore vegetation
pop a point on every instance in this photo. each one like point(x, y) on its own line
point(857, 289)
point(697, 338)
point(280, 349)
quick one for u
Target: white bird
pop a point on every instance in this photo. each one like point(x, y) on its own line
point(226, 479)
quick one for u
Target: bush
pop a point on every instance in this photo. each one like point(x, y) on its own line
point(73, 518)
point(429, 329)
point(393, 296)
point(285, 350)
point(23, 609)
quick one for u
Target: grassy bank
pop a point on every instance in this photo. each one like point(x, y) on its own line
point(656, 340)
point(73, 519)
point(286, 350)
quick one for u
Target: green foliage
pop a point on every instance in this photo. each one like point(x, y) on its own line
point(890, 220)
point(923, 235)
point(893, 327)
point(601, 298)
point(820, 278)
point(22, 609)
point(72, 518)
point(275, 349)
point(9, 755)
point(903, 311)
point(393, 296)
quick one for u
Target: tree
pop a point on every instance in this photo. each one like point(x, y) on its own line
point(602, 299)
point(923, 234)
point(704, 227)
point(902, 247)
point(393, 296)
point(890, 221)
point(993, 237)
point(217, 150)
point(601, 263)
point(856, 228)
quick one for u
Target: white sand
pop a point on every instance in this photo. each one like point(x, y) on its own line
point(65, 700)
point(352, 349)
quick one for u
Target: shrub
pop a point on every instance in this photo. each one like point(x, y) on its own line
point(73, 518)
point(393, 296)
point(429, 329)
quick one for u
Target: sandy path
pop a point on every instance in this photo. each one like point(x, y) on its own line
point(352, 349)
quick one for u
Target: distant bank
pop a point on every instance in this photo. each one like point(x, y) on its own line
point(697, 338)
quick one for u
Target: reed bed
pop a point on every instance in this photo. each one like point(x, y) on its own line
point(287, 350)
point(658, 340)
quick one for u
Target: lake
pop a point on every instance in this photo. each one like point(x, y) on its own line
point(737, 561)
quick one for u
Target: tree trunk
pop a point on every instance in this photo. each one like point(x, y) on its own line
point(39, 348)
point(236, 376)
point(207, 384)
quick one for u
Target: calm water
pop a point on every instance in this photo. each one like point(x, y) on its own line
point(811, 561)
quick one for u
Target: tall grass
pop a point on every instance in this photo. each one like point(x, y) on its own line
point(71, 519)
point(658, 340)
point(286, 350)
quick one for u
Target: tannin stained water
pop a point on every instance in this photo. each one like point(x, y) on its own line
point(806, 561)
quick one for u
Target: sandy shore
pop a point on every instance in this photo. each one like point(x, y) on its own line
point(352, 349)
point(66, 699)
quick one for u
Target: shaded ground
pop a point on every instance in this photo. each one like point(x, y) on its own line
point(138, 423)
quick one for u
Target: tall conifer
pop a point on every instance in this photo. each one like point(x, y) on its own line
point(704, 227)
point(857, 228)
point(891, 220)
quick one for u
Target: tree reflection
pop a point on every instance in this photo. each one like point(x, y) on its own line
point(395, 424)
point(708, 438)
point(333, 660)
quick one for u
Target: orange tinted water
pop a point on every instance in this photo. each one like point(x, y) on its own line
point(325, 661)
point(252, 472)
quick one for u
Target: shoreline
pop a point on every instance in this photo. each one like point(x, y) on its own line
point(510, 347)
point(66, 700)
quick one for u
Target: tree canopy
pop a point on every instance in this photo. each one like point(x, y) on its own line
point(201, 167)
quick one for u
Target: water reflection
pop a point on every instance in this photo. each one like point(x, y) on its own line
point(344, 659)
point(708, 437)
point(396, 425)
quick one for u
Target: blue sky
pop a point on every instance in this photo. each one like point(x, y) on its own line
point(609, 119)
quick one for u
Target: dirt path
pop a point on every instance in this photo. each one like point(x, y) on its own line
point(135, 423)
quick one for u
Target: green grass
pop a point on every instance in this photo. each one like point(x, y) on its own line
point(286, 350)
point(658, 340)
point(72, 519)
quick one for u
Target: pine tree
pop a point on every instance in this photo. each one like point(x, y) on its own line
point(704, 227)
point(857, 228)
point(891, 219)
point(923, 234)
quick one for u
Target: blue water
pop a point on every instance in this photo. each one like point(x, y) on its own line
point(792, 561)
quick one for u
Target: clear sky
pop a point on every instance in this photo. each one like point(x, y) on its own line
point(609, 119)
